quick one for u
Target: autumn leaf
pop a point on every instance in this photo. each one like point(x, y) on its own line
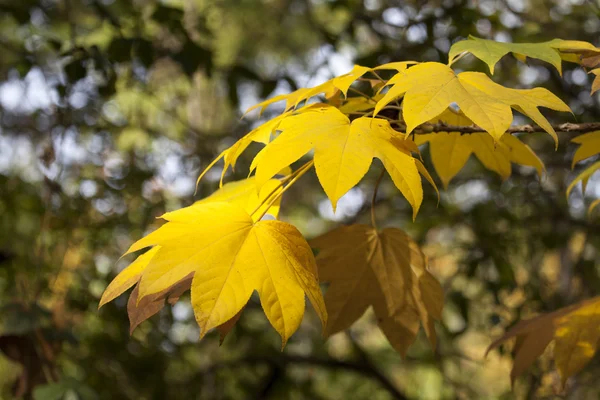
point(450, 151)
point(244, 194)
point(230, 256)
point(127, 278)
point(574, 329)
point(589, 146)
point(385, 270)
point(343, 152)
point(491, 52)
point(596, 82)
point(148, 306)
point(430, 88)
point(583, 177)
point(341, 83)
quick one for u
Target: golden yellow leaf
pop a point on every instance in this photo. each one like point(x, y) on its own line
point(575, 330)
point(341, 83)
point(596, 82)
point(244, 194)
point(127, 278)
point(590, 146)
point(385, 270)
point(583, 177)
point(430, 88)
point(451, 150)
point(343, 152)
point(231, 256)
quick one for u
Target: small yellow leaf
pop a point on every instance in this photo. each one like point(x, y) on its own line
point(341, 83)
point(343, 152)
point(231, 256)
point(590, 146)
point(583, 177)
point(385, 270)
point(596, 82)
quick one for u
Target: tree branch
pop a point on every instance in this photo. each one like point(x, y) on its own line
point(330, 363)
point(566, 127)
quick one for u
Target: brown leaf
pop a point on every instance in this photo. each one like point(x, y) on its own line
point(575, 330)
point(150, 305)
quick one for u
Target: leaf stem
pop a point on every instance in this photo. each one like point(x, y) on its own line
point(366, 96)
point(373, 221)
point(292, 178)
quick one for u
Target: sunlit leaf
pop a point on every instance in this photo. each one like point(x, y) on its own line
point(230, 256)
point(343, 152)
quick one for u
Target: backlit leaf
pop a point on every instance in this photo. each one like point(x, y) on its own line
point(343, 152)
point(230, 256)
point(590, 146)
point(243, 193)
point(430, 88)
point(583, 177)
point(491, 52)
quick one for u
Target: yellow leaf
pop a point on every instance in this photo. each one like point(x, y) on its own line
point(577, 337)
point(231, 256)
point(575, 330)
point(450, 151)
point(583, 177)
point(430, 88)
point(128, 277)
point(590, 146)
point(341, 83)
point(243, 193)
point(596, 82)
point(385, 270)
point(343, 152)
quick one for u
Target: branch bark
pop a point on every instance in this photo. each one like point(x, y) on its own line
point(566, 127)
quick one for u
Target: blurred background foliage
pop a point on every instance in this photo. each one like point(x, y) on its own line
point(110, 108)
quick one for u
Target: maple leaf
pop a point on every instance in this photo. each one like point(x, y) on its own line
point(490, 52)
point(590, 146)
point(596, 82)
point(230, 256)
point(450, 150)
point(430, 88)
point(583, 177)
point(343, 152)
point(244, 194)
point(150, 305)
point(385, 270)
point(341, 83)
point(574, 329)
